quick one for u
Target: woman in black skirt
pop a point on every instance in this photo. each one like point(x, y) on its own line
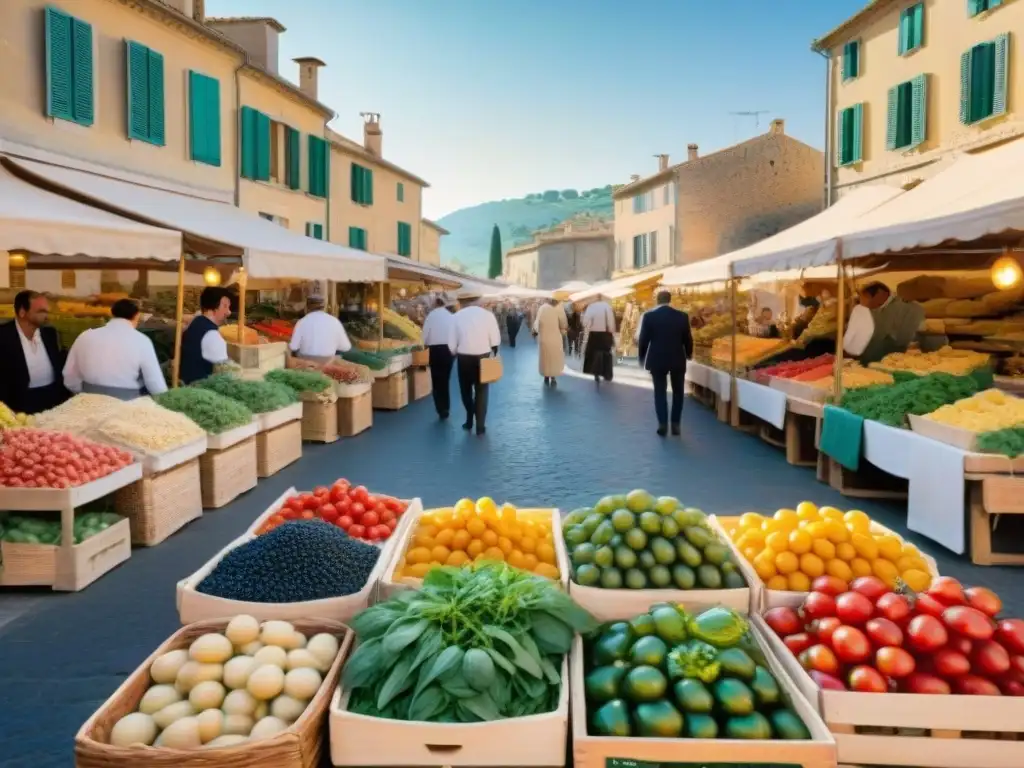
point(598, 357)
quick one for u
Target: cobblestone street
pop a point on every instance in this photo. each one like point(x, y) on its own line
point(566, 447)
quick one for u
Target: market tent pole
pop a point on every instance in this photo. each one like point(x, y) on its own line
point(734, 410)
point(840, 323)
point(380, 318)
point(242, 277)
point(179, 316)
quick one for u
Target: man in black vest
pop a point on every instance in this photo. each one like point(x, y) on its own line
point(666, 343)
point(30, 349)
point(202, 346)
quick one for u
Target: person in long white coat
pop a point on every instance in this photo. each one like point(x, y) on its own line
point(550, 328)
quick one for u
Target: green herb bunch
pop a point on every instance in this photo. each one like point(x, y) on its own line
point(917, 395)
point(212, 412)
point(257, 396)
point(1008, 442)
point(300, 381)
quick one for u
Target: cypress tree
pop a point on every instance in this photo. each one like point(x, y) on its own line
point(494, 265)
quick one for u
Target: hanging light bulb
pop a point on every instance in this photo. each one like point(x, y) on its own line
point(17, 260)
point(211, 276)
point(1006, 272)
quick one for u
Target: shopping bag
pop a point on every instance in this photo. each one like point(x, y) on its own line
point(490, 370)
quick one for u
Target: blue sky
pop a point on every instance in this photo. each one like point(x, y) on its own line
point(488, 99)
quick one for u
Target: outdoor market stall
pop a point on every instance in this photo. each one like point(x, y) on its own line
point(629, 296)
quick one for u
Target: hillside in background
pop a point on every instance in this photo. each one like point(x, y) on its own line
point(468, 245)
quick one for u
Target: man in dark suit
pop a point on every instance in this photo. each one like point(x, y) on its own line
point(32, 381)
point(665, 345)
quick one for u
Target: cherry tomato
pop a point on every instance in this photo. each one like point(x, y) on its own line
point(818, 605)
point(344, 521)
point(960, 644)
point(820, 658)
point(894, 662)
point(823, 629)
point(854, 607)
point(337, 494)
point(894, 607)
point(869, 586)
point(926, 633)
point(927, 604)
point(357, 531)
point(919, 682)
point(357, 510)
point(309, 514)
point(321, 490)
point(383, 532)
point(1010, 633)
point(1017, 665)
point(850, 645)
point(969, 622)
point(798, 643)
point(829, 585)
point(1011, 687)
point(972, 685)
point(329, 513)
point(391, 524)
point(783, 621)
point(950, 663)
point(826, 682)
point(372, 533)
point(990, 659)
point(311, 502)
point(884, 632)
point(370, 519)
point(864, 679)
point(985, 600)
point(360, 494)
point(947, 591)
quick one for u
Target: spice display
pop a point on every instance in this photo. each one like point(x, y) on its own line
point(28, 529)
point(794, 547)
point(1008, 442)
point(795, 368)
point(9, 418)
point(854, 377)
point(637, 541)
point(149, 427)
point(481, 531)
point(371, 361)
point(986, 411)
point(309, 386)
point(39, 458)
point(298, 561)
point(257, 396)
point(247, 683)
point(361, 514)
point(958, 362)
point(667, 674)
point(750, 350)
point(919, 395)
point(476, 644)
point(212, 412)
point(80, 414)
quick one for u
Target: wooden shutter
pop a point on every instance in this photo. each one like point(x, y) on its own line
point(318, 156)
point(81, 70)
point(204, 118)
point(368, 186)
point(355, 184)
point(138, 91)
point(892, 118)
point(965, 87)
point(858, 133)
point(919, 111)
point(262, 143)
point(1002, 52)
point(59, 94)
point(248, 149)
point(917, 25)
point(401, 192)
point(155, 107)
point(841, 137)
point(293, 154)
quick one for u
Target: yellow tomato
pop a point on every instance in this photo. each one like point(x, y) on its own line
point(418, 555)
point(529, 562)
point(865, 546)
point(770, 526)
point(439, 554)
point(508, 512)
point(461, 539)
point(811, 565)
point(799, 542)
point(504, 544)
point(422, 540)
point(490, 539)
point(845, 551)
point(886, 571)
point(546, 553)
point(787, 518)
point(916, 580)
point(750, 553)
point(486, 506)
point(786, 563)
point(765, 566)
point(777, 582)
point(824, 549)
point(860, 567)
point(807, 510)
point(515, 558)
point(911, 563)
point(465, 507)
point(818, 529)
point(475, 526)
point(857, 521)
point(750, 520)
point(837, 532)
point(839, 569)
point(778, 541)
point(528, 544)
point(495, 554)
point(889, 547)
point(547, 570)
point(430, 531)
point(445, 537)
point(458, 557)
point(831, 513)
point(474, 548)
point(798, 582)
point(419, 570)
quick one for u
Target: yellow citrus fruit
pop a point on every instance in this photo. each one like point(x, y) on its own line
point(750, 520)
point(889, 547)
point(798, 582)
point(444, 537)
point(546, 569)
point(886, 571)
point(439, 553)
point(750, 553)
point(764, 566)
point(778, 541)
point(419, 570)
point(839, 569)
point(474, 548)
point(865, 546)
point(461, 539)
point(916, 580)
point(786, 562)
point(495, 554)
point(831, 513)
point(457, 557)
point(845, 551)
point(799, 542)
point(515, 558)
point(807, 510)
point(529, 562)
point(860, 567)
point(857, 521)
point(546, 553)
point(812, 565)
point(777, 582)
point(787, 518)
point(465, 507)
point(823, 548)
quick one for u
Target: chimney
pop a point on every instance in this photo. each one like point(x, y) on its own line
point(778, 127)
point(691, 152)
point(258, 36)
point(308, 69)
point(662, 163)
point(372, 135)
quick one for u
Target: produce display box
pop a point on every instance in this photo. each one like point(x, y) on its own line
point(390, 584)
point(908, 729)
point(419, 383)
point(355, 414)
point(536, 740)
point(228, 472)
point(161, 503)
point(802, 419)
point(800, 389)
point(319, 422)
point(299, 746)
point(391, 393)
point(964, 439)
point(988, 497)
point(260, 357)
point(161, 462)
point(277, 448)
point(345, 391)
point(399, 363)
point(616, 752)
point(196, 606)
point(420, 358)
point(231, 437)
point(272, 419)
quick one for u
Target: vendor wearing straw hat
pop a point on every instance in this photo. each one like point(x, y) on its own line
point(599, 321)
point(475, 335)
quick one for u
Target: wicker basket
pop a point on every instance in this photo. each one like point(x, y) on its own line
point(320, 422)
point(228, 473)
point(420, 358)
point(419, 383)
point(277, 448)
point(300, 746)
point(355, 414)
point(159, 504)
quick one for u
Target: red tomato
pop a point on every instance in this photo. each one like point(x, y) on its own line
point(926, 604)
point(1011, 687)
point(950, 663)
point(309, 514)
point(337, 494)
point(869, 586)
point(990, 659)
point(827, 682)
point(985, 600)
point(783, 621)
point(370, 519)
point(884, 632)
point(854, 607)
point(972, 685)
point(321, 491)
point(969, 622)
point(926, 633)
point(919, 682)
point(357, 510)
point(360, 494)
point(894, 662)
point(818, 605)
point(1017, 665)
point(823, 629)
point(894, 607)
point(391, 524)
point(820, 658)
point(799, 642)
point(864, 679)
point(850, 645)
point(344, 504)
point(383, 532)
point(296, 502)
point(372, 534)
point(357, 531)
point(329, 513)
point(311, 502)
point(344, 521)
point(1010, 633)
point(829, 585)
point(947, 591)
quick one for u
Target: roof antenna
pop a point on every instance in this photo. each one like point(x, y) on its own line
point(756, 114)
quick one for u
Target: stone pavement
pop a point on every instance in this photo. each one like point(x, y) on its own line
point(63, 654)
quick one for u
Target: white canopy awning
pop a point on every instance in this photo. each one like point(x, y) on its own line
point(267, 249)
point(978, 195)
point(573, 286)
point(41, 222)
point(401, 268)
point(622, 286)
point(518, 292)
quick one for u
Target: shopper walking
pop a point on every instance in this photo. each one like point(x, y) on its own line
point(475, 335)
point(664, 347)
point(513, 322)
point(550, 329)
point(575, 332)
point(30, 350)
point(437, 338)
point(599, 322)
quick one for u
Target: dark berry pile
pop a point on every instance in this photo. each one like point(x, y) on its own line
point(300, 560)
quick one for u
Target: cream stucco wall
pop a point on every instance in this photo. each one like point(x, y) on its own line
point(660, 219)
point(430, 244)
point(948, 33)
point(23, 92)
point(520, 268)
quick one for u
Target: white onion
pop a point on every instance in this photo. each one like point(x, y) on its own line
point(158, 697)
point(302, 683)
point(242, 630)
point(135, 728)
point(165, 668)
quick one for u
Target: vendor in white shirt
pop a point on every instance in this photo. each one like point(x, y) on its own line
point(438, 339)
point(318, 336)
point(116, 360)
point(881, 324)
point(473, 336)
point(599, 323)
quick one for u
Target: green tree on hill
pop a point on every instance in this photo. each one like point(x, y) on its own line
point(494, 265)
point(552, 196)
point(570, 194)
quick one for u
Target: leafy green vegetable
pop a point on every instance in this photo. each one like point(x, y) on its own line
point(918, 395)
point(214, 413)
point(299, 380)
point(28, 529)
point(694, 659)
point(372, 361)
point(257, 396)
point(1008, 442)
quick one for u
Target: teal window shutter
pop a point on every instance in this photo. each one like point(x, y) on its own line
point(858, 133)
point(357, 238)
point(919, 110)
point(917, 25)
point(354, 183)
point(851, 60)
point(69, 68)
point(262, 147)
point(204, 118)
point(401, 192)
point(1001, 53)
point(248, 143)
point(81, 72)
point(902, 45)
point(293, 171)
point(911, 29)
point(361, 183)
point(841, 138)
point(404, 239)
point(965, 87)
point(892, 118)
point(318, 231)
point(318, 165)
point(974, 7)
point(368, 186)
point(138, 91)
point(155, 66)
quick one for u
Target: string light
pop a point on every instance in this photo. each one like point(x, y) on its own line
point(211, 276)
point(1006, 273)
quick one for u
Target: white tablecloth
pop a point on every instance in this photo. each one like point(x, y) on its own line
point(889, 448)
point(710, 378)
point(761, 401)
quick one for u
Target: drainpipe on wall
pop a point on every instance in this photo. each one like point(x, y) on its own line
point(828, 126)
point(327, 221)
point(238, 129)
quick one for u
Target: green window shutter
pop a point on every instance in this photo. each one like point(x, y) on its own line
point(974, 7)
point(81, 71)
point(248, 149)
point(318, 165)
point(155, 70)
point(368, 186)
point(982, 79)
point(357, 238)
point(401, 192)
point(917, 25)
point(919, 110)
point(1002, 52)
point(293, 151)
point(204, 118)
point(858, 133)
point(404, 239)
point(965, 87)
point(355, 183)
point(841, 137)
point(851, 60)
point(903, 45)
point(892, 118)
point(262, 144)
point(138, 91)
point(59, 78)
point(318, 231)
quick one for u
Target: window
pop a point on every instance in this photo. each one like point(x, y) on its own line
point(653, 257)
point(362, 185)
point(911, 29)
point(204, 118)
point(357, 238)
point(318, 166)
point(983, 80)
point(643, 202)
point(404, 239)
point(145, 94)
point(292, 158)
point(68, 279)
point(671, 244)
point(641, 252)
point(851, 60)
point(401, 192)
point(315, 230)
point(974, 7)
point(666, 193)
point(69, 77)
point(907, 114)
point(255, 145)
point(267, 216)
point(850, 135)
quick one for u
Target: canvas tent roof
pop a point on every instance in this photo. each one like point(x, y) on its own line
point(622, 286)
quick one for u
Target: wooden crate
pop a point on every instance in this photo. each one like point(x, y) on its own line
point(259, 357)
point(419, 383)
point(868, 482)
point(319, 422)
point(161, 503)
point(420, 358)
point(277, 448)
point(802, 418)
point(989, 497)
point(355, 414)
point(226, 474)
point(391, 393)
